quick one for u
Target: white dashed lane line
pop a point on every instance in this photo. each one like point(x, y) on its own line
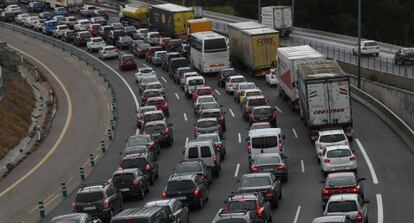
point(217, 92)
point(231, 112)
point(178, 97)
point(278, 109)
point(239, 136)
point(295, 220)
point(185, 116)
point(294, 133)
point(302, 165)
point(236, 173)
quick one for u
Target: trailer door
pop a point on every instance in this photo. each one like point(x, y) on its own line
point(339, 100)
point(318, 106)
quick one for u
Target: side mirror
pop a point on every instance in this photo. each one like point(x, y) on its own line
point(170, 125)
point(224, 113)
point(362, 179)
point(221, 106)
point(223, 138)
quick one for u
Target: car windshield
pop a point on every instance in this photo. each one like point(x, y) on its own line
point(342, 206)
point(262, 111)
point(180, 185)
point(340, 181)
point(240, 205)
point(332, 138)
point(188, 168)
point(146, 80)
point(371, 44)
point(155, 86)
point(202, 137)
point(206, 124)
point(257, 102)
point(255, 181)
point(408, 50)
point(117, 25)
point(134, 150)
point(149, 94)
point(204, 91)
point(264, 142)
point(238, 80)
point(338, 153)
point(138, 141)
point(196, 82)
point(128, 58)
point(145, 70)
point(153, 117)
point(89, 197)
point(264, 161)
point(205, 151)
point(133, 163)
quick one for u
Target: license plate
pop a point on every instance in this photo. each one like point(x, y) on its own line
point(124, 189)
point(89, 208)
point(267, 169)
point(181, 198)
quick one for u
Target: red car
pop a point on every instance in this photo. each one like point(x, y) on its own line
point(150, 52)
point(342, 183)
point(203, 90)
point(127, 62)
point(93, 29)
point(160, 103)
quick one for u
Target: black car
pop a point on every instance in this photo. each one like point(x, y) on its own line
point(263, 114)
point(272, 163)
point(131, 182)
point(113, 36)
point(214, 113)
point(179, 71)
point(152, 116)
point(145, 162)
point(249, 202)
point(99, 200)
point(130, 150)
point(199, 167)
point(175, 63)
point(239, 216)
point(404, 55)
point(145, 214)
point(69, 36)
point(143, 140)
point(166, 60)
point(81, 38)
point(189, 189)
point(264, 183)
point(124, 42)
point(184, 50)
point(141, 49)
point(75, 218)
point(175, 208)
point(7, 16)
point(46, 15)
point(160, 132)
point(223, 75)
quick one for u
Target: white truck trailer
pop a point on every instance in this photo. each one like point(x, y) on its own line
point(279, 18)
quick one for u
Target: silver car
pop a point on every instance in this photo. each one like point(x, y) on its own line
point(202, 99)
point(330, 219)
point(338, 158)
point(330, 138)
point(350, 205)
point(108, 52)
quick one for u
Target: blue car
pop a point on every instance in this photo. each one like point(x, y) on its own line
point(49, 26)
point(35, 7)
point(60, 11)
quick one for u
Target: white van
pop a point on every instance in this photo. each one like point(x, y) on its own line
point(269, 140)
point(192, 83)
point(206, 151)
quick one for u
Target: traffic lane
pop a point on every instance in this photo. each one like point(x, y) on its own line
point(89, 120)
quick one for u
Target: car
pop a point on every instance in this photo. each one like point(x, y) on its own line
point(135, 44)
point(99, 200)
point(14, 8)
point(149, 93)
point(82, 38)
point(93, 29)
point(342, 183)
point(144, 140)
point(99, 20)
point(337, 158)
point(142, 32)
point(329, 138)
point(141, 49)
point(194, 166)
point(130, 31)
point(131, 182)
point(176, 209)
point(60, 29)
point(87, 10)
point(45, 15)
point(184, 49)
point(100, 12)
point(208, 125)
point(150, 52)
point(271, 163)
point(265, 183)
point(187, 75)
point(214, 113)
point(404, 56)
point(191, 84)
point(7, 16)
point(240, 88)
point(232, 82)
point(82, 25)
point(141, 111)
point(249, 103)
point(70, 21)
point(145, 80)
point(253, 202)
point(351, 205)
point(271, 78)
point(167, 58)
point(270, 140)
point(29, 21)
point(95, 44)
point(108, 52)
point(172, 45)
point(124, 42)
point(174, 63)
point(145, 162)
point(263, 114)
point(157, 57)
point(179, 72)
point(160, 132)
point(151, 116)
point(113, 36)
point(207, 106)
point(49, 27)
point(144, 214)
point(35, 7)
point(38, 25)
point(69, 36)
point(368, 47)
point(153, 38)
point(104, 31)
point(19, 19)
point(157, 86)
point(130, 150)
point(206, 151)
point(164, 41)
point(76, 218)
point(250, 92)
point(202, 91)
point(143, 71)
point(127, 61)
point(239, 216)
point(190, 189)
point(59, 19)
point(333, 218)
point(218, 142)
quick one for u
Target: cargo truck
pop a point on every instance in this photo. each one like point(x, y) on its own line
point(324, 97)
point(70, 5)
point(198, 25)
point(287, 60)
point(134, 16)
point(278, 17)
point(170, 19)
point(234, 35)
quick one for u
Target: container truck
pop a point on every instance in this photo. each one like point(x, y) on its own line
point(234, 35)
point(324, 97)
point(170, 19)
point(134, 16)
point(199, 25)
point(278, 17)
point(71, 5)
point(287, 60)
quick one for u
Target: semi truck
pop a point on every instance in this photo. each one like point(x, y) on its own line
point(170, 19)
point(70, 5)
point(253, 46)
point(134, 16)
point(199, 25)
point(324, 97)
point(287, 60)
point(278, 17)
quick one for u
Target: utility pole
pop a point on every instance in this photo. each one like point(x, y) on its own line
point(293, 13)
point(359, 44)
point(259, 9)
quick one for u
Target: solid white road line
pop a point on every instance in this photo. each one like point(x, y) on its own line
point(368, 161)
point(231, 112)
point(239, 135)
point(185, 117)
point(302, 165)
point(294, 133)
point(145, 64)
point(164, 79)
point(236, 173)
point(380, 209)
point(278, 109)
point(186, 142)
point(297, 215)
point(218, 92)
point(178, 97)
point(137, 131)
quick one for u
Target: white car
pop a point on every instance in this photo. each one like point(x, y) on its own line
point(271, 78)
point(368, 47)
point(187, 75)
point(153, 38)
point(108, 52)
point(82, 25)
point(329, 138)
point(338, 158)
point(21, 17)
point(143, 71)
point(60, 30)
point(30, 21)
point(192, 83)
point(142, 33)
point(95, 44)
point(350, 205)
point(240, 88)
point(232, 83)
point(13, 8)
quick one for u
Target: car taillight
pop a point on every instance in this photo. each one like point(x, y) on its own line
point(281, 167)
point(106, 203)
point(253, 118)
point(280, 145)
point(135, 181)
point(215, 159)
point(313, 134)
point(74, 206)
point(347, 142)
point(164, 195)
point(196, 129)
point(326, 160)
point(364, 48)
point(165, 105)
point(149, 146)
point(218, 145)
point(217, 127)
point(326, 192)
point(255, 169)
point(355, 189)
point(359, 216)
point(249, 147)
point(195, 96)
point(165, 131)
point(221, 118)
point(274, 115)
point(147, 167)
point(269, 194)
point(259, 210)
point(352, 158)
point(197, 193)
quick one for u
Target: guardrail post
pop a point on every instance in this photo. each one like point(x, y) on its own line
point(82, 173)
point(112, 124)
point(64, 189)
point(103, 149)
point(109, 134)
point(42, 211)
point(114, 115)
point(92, 159)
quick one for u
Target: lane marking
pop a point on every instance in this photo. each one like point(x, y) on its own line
point(236, 173)
point(137, 131)
point(51, 200)
point(294, 133)
point(186, 141)
point(178, 97)
point(380, 209)
point(302, 165)
point(85, 164)
point(185, 117)
point(218, 92)
point(368, 161)
point(89, 74)
point(62, 134)
point(278, 109)
point(297, 215)
point(239, 135)
point(164, 79)
point(145, 65)
point(231, 112)
point(70, 60)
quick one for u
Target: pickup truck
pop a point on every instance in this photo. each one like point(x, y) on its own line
point(87, 10)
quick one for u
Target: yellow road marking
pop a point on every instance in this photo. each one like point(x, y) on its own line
point(51, 200)
point(61, 136)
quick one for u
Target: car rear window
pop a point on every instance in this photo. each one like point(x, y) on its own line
point(262, 111)
point(127, 58)
point(209, 106)
point(89, 197)
point(340, 181)
point(332, 138)
point(206, 124)
point(255, 181)
point(260, 126)
point(154, 128)
point(180, 185)
point(240, 205)
point(371, 44)
point(257, 102)
point(203, 91)
point(142, 110)
point(264, 161)
point(188, 168)
point(146, 80)
point(153, 117)
point(196, 82)
point(138, 140)
point(149, 94)
point(338, 153)
point(205, 99)
point(205, 151)
point(134, 150)
point(264, 142)
point(155, 86)
point(247, 86)
point(210, 114)
point(193, 152)
point(117, 178)
point(133, 163)
point(238, 80)
point(155, 102)
point(97, 40)
point(342, 206)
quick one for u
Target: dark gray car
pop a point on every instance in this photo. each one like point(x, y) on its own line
point(265, 183)
point(175, 207)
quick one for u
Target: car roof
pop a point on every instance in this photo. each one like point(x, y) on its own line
point(157, 203)
point(153, 112)
point(267, 131)
point(343, 197)
point(194, 143)
point(135, 156)
point(124, 171)
point(156, 98)
point(336, 147)
point(92, 187)
point(206, 119)
point(261, 107)
point(268, 155)
point(144, 211)
point(236, 76)
point(341, 174)
point(331, 132)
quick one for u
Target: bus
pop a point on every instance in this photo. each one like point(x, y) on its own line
point(209, 52)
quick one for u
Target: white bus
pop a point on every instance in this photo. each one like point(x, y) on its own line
point(209, 52)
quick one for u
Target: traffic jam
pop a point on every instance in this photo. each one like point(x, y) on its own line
point(191, 55)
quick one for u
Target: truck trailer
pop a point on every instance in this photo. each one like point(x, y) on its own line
point(199, 25)
point(287, 60)
point(170, 19)
point(324, 97)
point(134, 16)
point(70, 5)
point(278, 17)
